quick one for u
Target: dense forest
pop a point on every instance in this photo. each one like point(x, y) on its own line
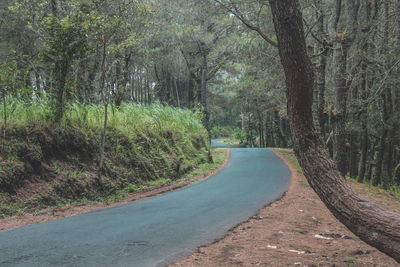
point(104, 64)
point(221, 59)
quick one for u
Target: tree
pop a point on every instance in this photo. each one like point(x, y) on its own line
point(65, 42)
point(374, 225)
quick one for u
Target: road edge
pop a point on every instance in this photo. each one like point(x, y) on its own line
point(293, 176)
point(51, 214)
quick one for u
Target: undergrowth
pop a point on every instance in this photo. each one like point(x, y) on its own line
point(393, 191)
point(44, 164)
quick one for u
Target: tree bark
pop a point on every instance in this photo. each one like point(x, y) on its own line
point(322, 50)
point(364, 153)
point(121, 87)
point(341, 44)
point(353, 154)
point(105, 102)
point(374, 225)
point(204, 88)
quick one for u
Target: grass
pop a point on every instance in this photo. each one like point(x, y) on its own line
point(219, 156)
point(204, 169)
point(289, 155)
point(392, 194)
point(127, 117)
point(145, 146)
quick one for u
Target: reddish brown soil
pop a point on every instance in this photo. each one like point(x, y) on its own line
point(284, 234)
point(59, 213)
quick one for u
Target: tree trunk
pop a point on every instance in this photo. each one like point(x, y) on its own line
point(121, 87)
point(105, 102)
point(322, 50)
point(190, 92)
point(61, 72)
point(279, 130)
point(371, 163)
point(341, 43)
point(178, 101)
point(364, 153)
point(204, 90)
point(38, 90)
point(353, 154)
point(4, 96)
point(374, 225)
point(339, 114)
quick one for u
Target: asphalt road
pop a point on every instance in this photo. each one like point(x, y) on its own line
point(155, 231)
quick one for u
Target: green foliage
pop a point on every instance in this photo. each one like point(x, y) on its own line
point(65, 42)
point(66, 38)
point(223, 131)
point(147, 146)
point(219, 156)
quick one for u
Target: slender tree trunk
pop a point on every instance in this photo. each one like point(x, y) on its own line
point(121, 87)
point(4, 96)
point(190, 93)
point(61, 76)
point(149, 93)
point(387, 143)
point(272, 134)
point(371, 160)
point(279, 130)
point(105, 102)
point(177, 93)
point(38, 90)
point(364, 153)
point(204, 90)
point(353, 154)
point(364, 110)
point(339, 114)
point(375, 226)
point(341, 44)
point(320, 70)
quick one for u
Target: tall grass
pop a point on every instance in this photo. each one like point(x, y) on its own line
point(126, 118)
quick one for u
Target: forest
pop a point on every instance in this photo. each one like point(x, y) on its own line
point(106, 76)
point(221, 60)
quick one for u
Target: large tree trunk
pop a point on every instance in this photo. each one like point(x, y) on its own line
point(377, 227)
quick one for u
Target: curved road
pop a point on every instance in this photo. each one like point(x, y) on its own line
point(156, 231)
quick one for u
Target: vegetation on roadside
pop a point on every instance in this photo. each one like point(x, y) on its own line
point(44, 164)
point(219, 155)
point(290, 156)
point(393, 193)
point(223, 131)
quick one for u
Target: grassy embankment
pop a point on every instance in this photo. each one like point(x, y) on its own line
point(44, 164)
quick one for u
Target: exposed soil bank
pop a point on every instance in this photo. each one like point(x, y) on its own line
point(47, 165)
point(51, 214)
point(297, 230)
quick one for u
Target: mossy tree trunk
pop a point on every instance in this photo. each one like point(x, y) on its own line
point(375, 226)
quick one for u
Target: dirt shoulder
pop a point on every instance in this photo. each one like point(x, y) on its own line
point(297, 230)
point(52, 214)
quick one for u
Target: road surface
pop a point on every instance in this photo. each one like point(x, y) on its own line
point(156, 231)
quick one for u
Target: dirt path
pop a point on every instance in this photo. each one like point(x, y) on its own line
point(297, 230)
